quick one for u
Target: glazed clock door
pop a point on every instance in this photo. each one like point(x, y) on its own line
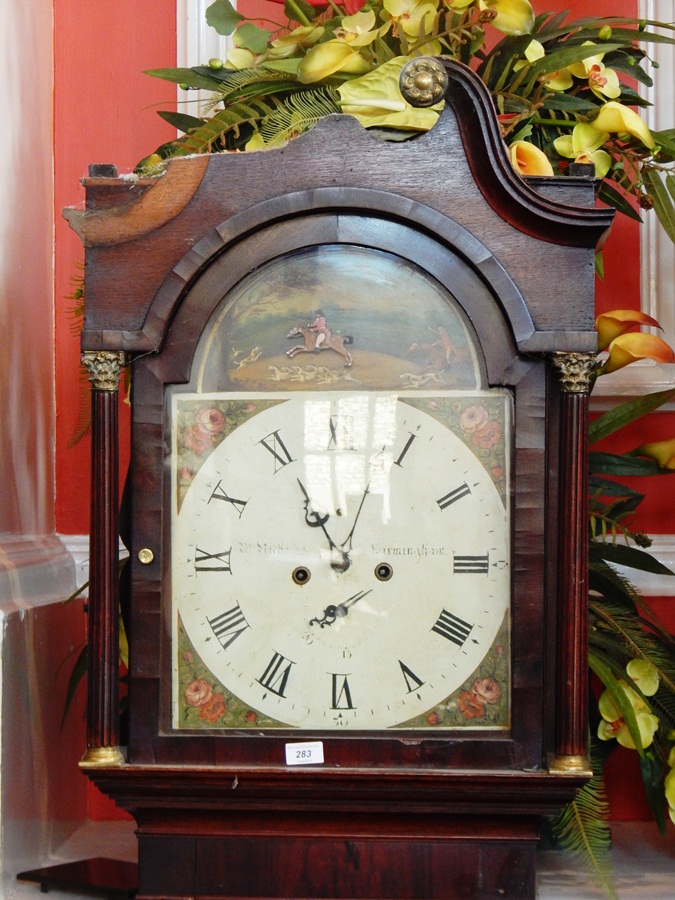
point(340, 531)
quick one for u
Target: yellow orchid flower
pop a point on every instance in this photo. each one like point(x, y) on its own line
point(611, 324)
point(513, 16)
point(375, 99)
point(629, 348)
point(414, 17)
point(602, 81)
point(613, 725)
point(663, 452)
point(240, 58)
point(615, 118)
point(583, 146)
point(325, 59)
point(357, 30)
point(645, 675)
point(287, 44)
point(527, 159)
point(557, 81)
point(669, 785)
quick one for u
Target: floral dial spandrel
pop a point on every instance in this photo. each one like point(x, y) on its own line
point(341, 561)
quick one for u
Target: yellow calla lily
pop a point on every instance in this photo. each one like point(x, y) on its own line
point(527, 159)
point(615, 118)
point(513, 16)
point(663, 452)
point(375, 99)
point(325, 59)
point(583, 146)
point(629, 348)
point(611, 324)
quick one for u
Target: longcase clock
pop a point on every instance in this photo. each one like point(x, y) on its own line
point(357, 500)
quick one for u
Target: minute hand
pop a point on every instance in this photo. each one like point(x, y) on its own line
point(347, 543)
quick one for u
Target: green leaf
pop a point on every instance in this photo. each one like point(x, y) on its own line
point(181, 121)
point(78, 672)
point(190, 77)
point(568, 103)
point(651, 769)
point(560, 59)
point(623, 555)
point(252, 38)
point(619, 464)
point(602, 487)
point(612, 197)
point(299, 8)
point(627, 412)
point(666, 141)
point(663, 203)
point(222, 16)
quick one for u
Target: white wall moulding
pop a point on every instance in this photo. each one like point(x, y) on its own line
point(34, 571)
point(657, 250)
point(196, 44)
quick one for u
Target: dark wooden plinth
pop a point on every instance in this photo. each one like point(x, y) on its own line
point(110, 877)
point(451, 863)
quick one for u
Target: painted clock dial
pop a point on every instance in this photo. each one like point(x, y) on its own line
point(340, 560)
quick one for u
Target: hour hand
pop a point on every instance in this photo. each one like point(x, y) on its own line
point(339, 560)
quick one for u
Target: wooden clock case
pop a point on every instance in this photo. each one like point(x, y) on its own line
point(386, 816)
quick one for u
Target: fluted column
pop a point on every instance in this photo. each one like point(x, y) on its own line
point(571, 750)
point(103, 625)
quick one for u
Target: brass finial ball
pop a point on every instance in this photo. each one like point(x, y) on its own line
point(423, 81)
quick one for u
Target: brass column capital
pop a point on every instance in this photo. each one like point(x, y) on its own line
point(104, 367)
point(575, 370)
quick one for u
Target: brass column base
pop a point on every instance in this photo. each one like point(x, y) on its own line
point(570, 765)
point(102, 757)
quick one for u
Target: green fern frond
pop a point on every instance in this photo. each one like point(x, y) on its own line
point(261, 80)
point(583, 829)
point(83, 420)
point(655, 646)
point(225, 127)
point(298, 113)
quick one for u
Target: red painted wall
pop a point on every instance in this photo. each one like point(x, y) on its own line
point(104, 112)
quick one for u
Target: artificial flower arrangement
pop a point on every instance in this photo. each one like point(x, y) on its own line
point(563, 93)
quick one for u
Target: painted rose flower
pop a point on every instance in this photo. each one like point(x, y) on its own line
point(198, 692)
point(487, 435)
point(470, 705)
point(487, 690)
point(197, 439)
point(214, 709)
point(472, 418)
point(210, 420)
